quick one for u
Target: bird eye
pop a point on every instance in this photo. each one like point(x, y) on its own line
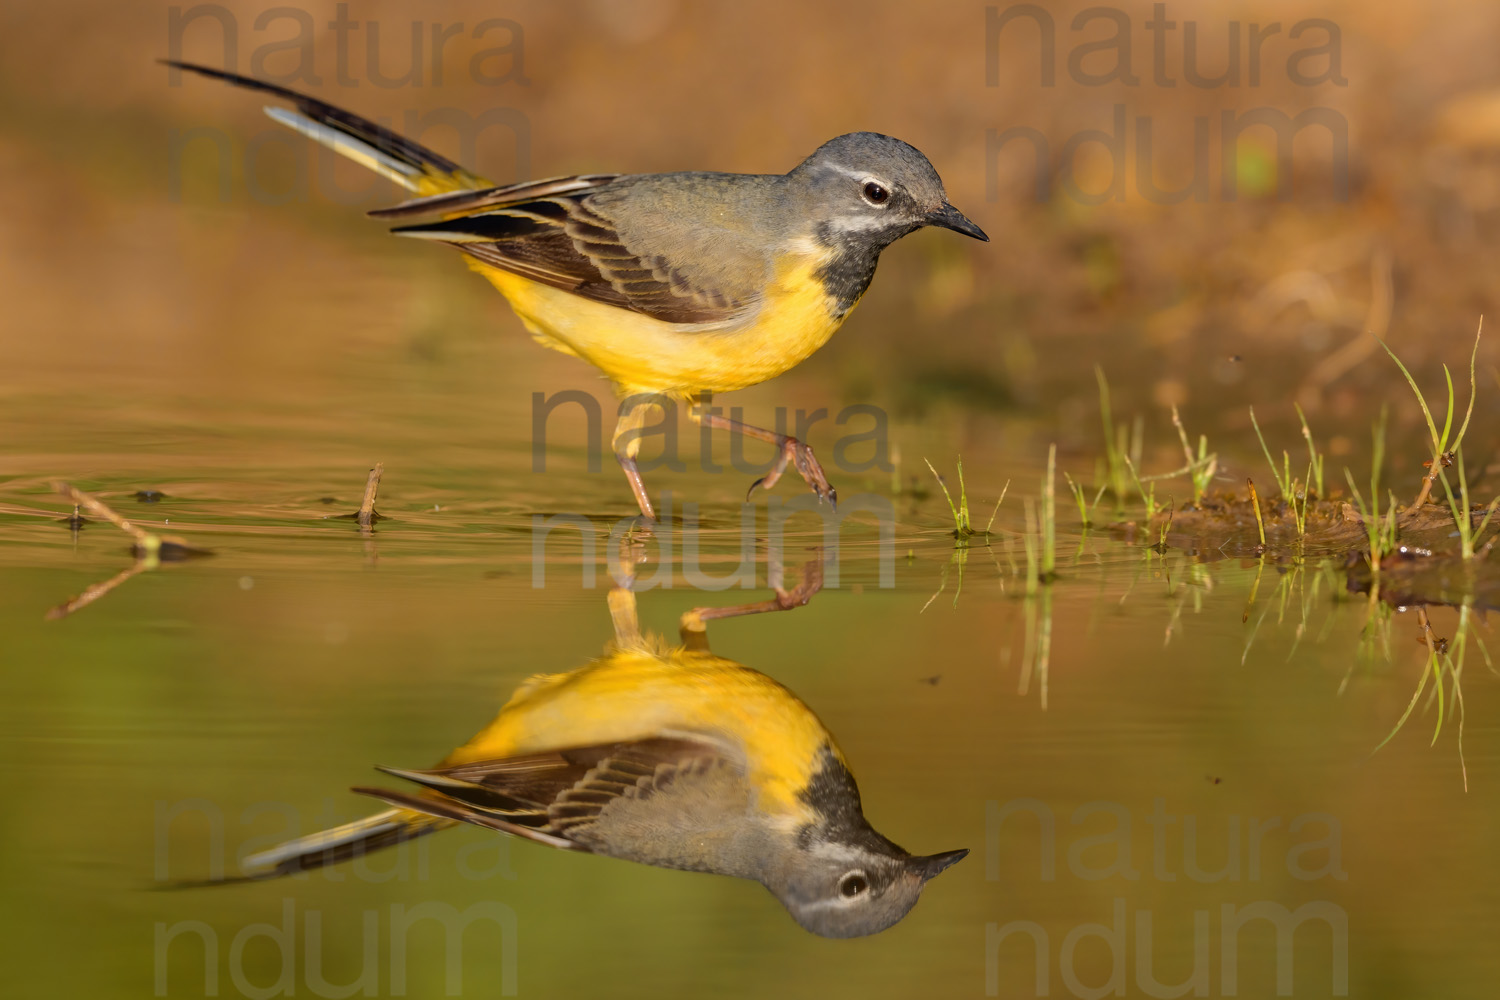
point(875, 193)
point(853, 884)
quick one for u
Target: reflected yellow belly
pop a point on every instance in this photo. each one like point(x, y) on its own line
point(642, 354)
point(635, 696)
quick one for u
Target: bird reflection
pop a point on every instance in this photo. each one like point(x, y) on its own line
point(666, 754)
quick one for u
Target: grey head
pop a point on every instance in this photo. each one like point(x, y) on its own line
point(846, 890)
point(842, 879)
point(871, 189)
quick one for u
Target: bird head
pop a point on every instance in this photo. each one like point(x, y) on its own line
point(837, 876)
point(843, 890)
point(875, 189)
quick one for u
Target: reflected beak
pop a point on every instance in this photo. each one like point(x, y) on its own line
point(951, 218)
point(934, 864)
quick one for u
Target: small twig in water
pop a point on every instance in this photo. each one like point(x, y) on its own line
point(1260, 524)
point(149, 549)
point(143, 538)
point(368, 515)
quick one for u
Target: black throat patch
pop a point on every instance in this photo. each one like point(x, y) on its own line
point(855, 254)
point(834, 796)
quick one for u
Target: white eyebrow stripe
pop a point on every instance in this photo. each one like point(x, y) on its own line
point(861, 175)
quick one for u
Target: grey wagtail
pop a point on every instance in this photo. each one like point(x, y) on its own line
point(667, 755)
point(676, 286)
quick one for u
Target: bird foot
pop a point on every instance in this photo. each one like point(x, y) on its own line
point(801, 457)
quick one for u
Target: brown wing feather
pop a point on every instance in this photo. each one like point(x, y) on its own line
point(564, 241)
point(459, 811)
point(548, 797)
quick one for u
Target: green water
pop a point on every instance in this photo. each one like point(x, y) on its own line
point(1140, 743)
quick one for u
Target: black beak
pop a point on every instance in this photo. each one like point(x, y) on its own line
point(951, 218)
point(933, 864)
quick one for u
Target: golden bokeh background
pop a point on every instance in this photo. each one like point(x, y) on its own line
point(119, 233)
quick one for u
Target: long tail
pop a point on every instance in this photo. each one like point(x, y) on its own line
point(329, 847)
point(413, 166)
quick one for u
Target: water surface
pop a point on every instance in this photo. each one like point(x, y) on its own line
point(1183, 754)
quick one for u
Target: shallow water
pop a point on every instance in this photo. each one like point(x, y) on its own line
point(1104, 748)
point(1142, 755)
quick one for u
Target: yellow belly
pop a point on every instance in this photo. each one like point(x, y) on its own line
point(642, 354)
point(637, 695)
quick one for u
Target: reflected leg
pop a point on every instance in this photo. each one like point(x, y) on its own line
point(622, 606)
point(694, 628)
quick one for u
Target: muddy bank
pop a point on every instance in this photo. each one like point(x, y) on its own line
point(1426, 567)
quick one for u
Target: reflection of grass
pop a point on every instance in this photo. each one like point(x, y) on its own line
point(1040, 541)
point(1200, 581)
point(1260, 568)
point(1445, 659)
point(959, 557)
point(1288, 587)
point(1036, 657)
point(963, 530)
point(1289, 598)
point(1278, 600)
point(1323, 524)
point(1375, 634)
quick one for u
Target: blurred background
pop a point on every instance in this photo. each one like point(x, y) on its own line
point(142, 208)
point(195, 304)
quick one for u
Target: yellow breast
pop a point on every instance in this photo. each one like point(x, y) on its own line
point(638, 695)
point(642, 354)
